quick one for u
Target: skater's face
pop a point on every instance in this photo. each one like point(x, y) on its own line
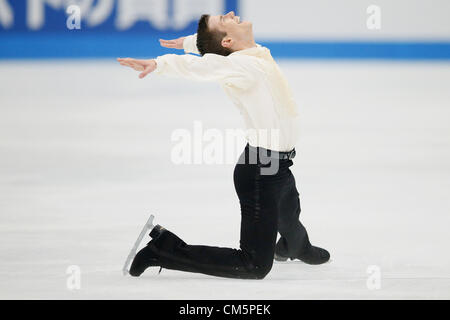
point(237, 31)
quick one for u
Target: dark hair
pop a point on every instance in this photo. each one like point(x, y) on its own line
point(210, 41)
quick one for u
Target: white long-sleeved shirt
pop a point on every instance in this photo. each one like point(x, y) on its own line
point(253, 82)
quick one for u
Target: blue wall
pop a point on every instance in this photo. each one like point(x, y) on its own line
point(52, 39)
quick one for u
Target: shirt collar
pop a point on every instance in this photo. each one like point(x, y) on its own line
point(248, 50)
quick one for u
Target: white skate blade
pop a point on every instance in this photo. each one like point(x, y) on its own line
point(147, 227)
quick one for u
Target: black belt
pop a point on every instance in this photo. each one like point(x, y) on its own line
point(281, 155)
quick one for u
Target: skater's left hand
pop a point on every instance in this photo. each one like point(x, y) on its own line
point(145, 66)
point(173, 44)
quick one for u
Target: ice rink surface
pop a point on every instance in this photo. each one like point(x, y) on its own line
point(85, 158)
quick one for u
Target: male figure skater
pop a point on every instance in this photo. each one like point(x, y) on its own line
point(269, 202)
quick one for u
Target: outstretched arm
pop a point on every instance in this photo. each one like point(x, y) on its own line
point(211, 67)
point(189, 44)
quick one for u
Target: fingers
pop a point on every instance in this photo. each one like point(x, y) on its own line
point(146, 71)
point(124, 61)
point(168, 43)
point(132, 63)
point(144, 66)
point(143, 75)
point(173, 44)
point(129, 64)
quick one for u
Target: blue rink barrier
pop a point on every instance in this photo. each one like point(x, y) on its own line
point(41, 29)
point(50, 46)
point(361, 50)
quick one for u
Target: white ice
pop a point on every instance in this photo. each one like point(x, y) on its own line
point(85, 159)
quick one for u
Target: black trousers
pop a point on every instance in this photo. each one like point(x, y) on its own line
point(269, 204)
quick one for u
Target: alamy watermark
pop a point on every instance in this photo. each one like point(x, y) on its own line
point(374, 280)
point(73, 281)
point(373, 21)
point(214, 146)
point(74, 17)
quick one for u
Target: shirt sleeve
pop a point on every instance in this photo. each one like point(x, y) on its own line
point(231, 71)
point(190, 44)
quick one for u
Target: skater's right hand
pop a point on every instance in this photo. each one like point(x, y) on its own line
point(172, 44)
point(144, 66)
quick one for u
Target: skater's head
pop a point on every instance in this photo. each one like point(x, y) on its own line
point(223, 34)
